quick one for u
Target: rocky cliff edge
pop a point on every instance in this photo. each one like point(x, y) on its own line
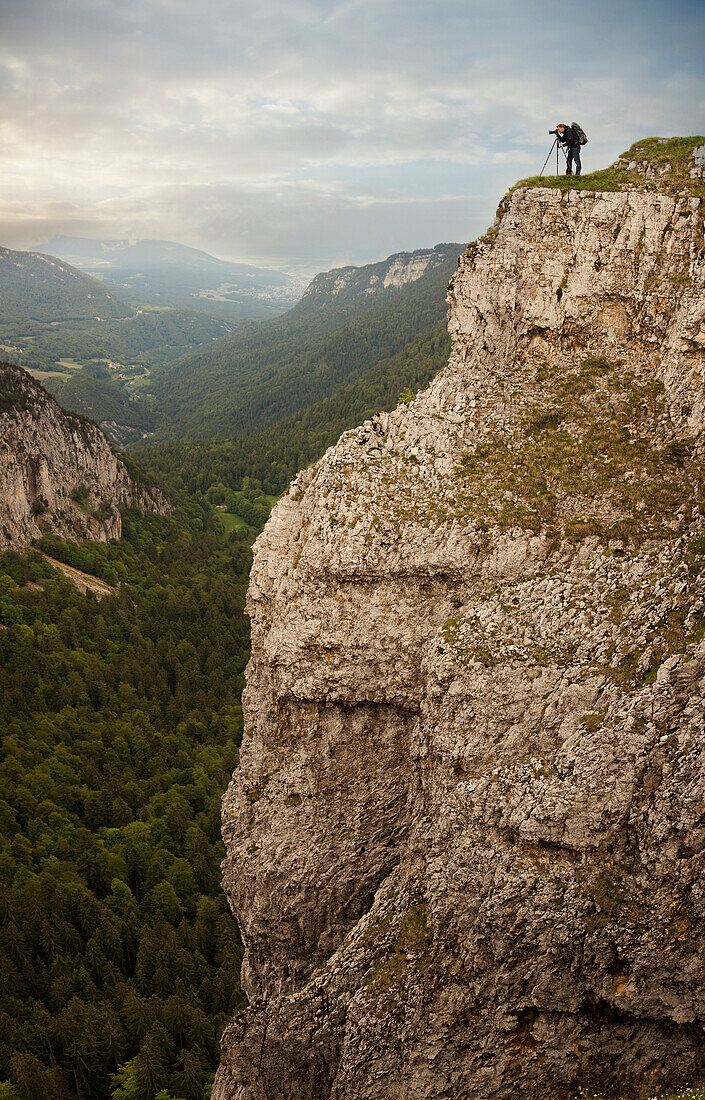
point(57, 470)
point(465, 843)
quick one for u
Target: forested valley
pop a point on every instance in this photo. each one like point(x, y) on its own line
point(121, 725)
point(121, 717)
point(270, 458)
point(121, 722)
point(264, 373)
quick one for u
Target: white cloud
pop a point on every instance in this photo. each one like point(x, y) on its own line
point(129, 116)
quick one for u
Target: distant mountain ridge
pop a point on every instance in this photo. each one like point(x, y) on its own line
point(150, 254)
point(174, 274)
point(39, 287)
point(395, 271)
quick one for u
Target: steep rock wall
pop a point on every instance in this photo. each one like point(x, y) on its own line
point(395, 271)
point(465, 843)
point(48, 458)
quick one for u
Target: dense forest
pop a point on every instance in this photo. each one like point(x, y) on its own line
point(271, 458)
point(121, 716)
point(121, 724)
point(264, 373)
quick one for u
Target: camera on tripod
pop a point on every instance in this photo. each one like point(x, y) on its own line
point(557, 144)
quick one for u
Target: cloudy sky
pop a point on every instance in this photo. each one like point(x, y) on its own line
point(308, 133)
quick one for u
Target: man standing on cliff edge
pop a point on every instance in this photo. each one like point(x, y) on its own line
point(570, 141)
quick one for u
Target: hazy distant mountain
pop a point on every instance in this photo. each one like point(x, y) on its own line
point(172, 274)
point(34, 287)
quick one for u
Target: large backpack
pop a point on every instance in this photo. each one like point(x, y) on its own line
point(578, 130)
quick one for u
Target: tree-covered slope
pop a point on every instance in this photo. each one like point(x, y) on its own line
point(93, 352)
point(151, 335)
point(109, 373)
point(262, 374)
point(95, 393)
point(345, 291)
point(35, 287)
point(120, 726)
point(272, 458)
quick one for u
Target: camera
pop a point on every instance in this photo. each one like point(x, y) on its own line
point(553, 132)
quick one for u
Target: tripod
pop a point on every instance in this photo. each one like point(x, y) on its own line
point(555, 146)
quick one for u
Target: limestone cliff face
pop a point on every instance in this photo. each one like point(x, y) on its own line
point(465, 843)
point(396, 271)
point(57, 471)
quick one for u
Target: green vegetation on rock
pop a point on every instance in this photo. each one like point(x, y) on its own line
point(592, 440)
point(408, 951)
point(585, 457)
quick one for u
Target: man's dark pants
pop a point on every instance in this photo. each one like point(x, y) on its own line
point(573, 158)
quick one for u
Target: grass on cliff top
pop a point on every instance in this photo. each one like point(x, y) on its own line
point(676, 152)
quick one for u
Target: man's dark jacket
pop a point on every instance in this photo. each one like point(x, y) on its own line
point(569, 137)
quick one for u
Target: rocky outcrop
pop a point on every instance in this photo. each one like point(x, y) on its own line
point(57, 471)
point(465, 843)
point(396, 271)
